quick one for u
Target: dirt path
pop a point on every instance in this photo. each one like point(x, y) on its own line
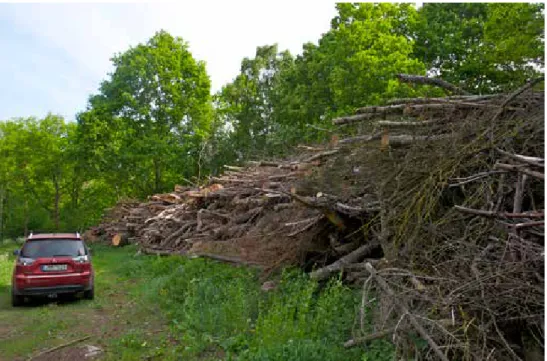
point(115, 321)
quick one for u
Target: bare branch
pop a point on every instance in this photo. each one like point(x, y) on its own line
point(385, 287)
point(538, 162)
point(502, 215)
point(519, 168)
point(353, 257)
point(419, 79)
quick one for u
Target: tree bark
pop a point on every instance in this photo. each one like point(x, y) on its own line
point(538, 162)
point(353, 257)
point(2, 193)
point(516, 168)
point(157, 176)
point(418, 79)
point(26, 217)
point(57, 200)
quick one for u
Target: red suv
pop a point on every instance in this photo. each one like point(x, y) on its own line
point(50, 264)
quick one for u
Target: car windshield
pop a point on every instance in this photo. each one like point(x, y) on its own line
point(53, 248)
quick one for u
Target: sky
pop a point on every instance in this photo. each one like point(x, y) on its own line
point(53, 56)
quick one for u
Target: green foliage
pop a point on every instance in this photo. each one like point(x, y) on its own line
point(379, 350)
point(301, 350)
point(515, 34)
point(250, 102)
point(146, 126)
point(484, 47)
point(367, 51)
point(39, 180)
point(213, 306)
point(277, 101)
point(296, 311)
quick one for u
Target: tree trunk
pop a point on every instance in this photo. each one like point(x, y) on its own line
point(157, 176)
point(75, 194)
point(2, 193)
point(26, 218)
point(57, 199)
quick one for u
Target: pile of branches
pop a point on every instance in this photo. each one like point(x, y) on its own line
point(433, 205)
point(460, 181)
point(258, 214)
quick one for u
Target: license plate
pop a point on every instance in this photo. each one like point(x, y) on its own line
point(54, 267)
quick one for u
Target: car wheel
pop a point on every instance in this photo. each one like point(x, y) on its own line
point(89, 294)
point(17, 300)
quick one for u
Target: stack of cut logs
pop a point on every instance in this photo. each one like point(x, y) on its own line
point(252, 215)
point(113, 222)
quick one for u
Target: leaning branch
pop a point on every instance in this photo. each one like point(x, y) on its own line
point(418, 79)
point(513, 95)
point(321, 155)
point(468, 98)
point(402, 139)
point(517, 168)
point(390, 123)
point(325, 272)
point(352, 119)
point(535, 161)
point(502, 215)
point(361, 138)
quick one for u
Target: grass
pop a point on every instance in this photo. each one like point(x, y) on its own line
point(173, 308)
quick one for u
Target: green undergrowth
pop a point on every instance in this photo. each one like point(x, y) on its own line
point(218, 311)
point(174, 308)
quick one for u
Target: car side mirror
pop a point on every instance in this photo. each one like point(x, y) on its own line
point(16, 252)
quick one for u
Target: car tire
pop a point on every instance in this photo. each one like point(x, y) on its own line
point(17, 300)
point(90, 294)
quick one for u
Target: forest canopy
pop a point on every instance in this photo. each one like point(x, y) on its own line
point(154, 123)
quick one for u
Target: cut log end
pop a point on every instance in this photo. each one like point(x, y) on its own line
point(120, 240)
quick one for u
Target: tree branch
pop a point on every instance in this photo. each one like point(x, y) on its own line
point(519, 168)
point(418, 79)
point(385, 287)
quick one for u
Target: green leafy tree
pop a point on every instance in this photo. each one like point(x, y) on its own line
point(147, 124)
point(515, 34)
point(482, 47)
point(36, 175)
point(368, 50)
point(20, 137)
point(354, 64)
point(249, 103)
point(305, 96)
